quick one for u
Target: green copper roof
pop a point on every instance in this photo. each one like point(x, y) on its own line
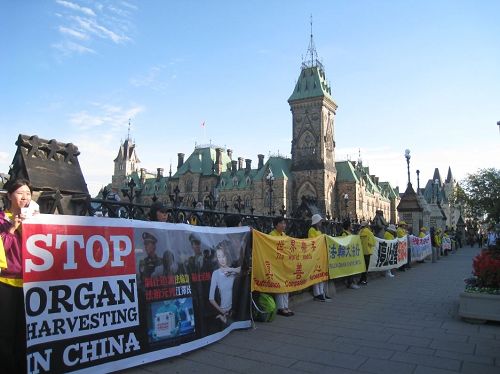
point(280, 167)
point(201, 161)
point(388, 190)
point(311, 83)
point(346, 172)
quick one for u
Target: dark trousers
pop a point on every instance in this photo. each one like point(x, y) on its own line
point(364, 276)
point(12, 330)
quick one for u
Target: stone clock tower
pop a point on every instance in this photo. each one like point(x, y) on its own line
point(313, 146)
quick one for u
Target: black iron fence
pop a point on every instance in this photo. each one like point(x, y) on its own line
point(203, 217)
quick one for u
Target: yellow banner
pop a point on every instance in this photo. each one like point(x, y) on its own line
point(284, 264)
point(345, 256)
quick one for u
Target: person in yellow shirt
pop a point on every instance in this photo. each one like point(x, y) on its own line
point(367, 244)
point(279, 224)
point(319, 293)
point(423, 232)
point(401, 232)
point(437, 241)
point(349, 281)
point(390, 234)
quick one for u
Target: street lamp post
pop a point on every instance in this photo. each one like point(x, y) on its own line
point(418, 181)
point(270, 181)
point(407, 156)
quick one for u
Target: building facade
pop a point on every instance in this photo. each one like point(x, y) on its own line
point(309, 181)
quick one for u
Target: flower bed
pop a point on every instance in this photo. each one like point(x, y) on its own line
point(481, 300)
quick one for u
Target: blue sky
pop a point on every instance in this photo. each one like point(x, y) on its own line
point(422, 75)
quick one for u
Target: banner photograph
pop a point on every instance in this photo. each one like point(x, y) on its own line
point(345, 256)
point(106, 294)
point(284, 264)
point(389, 254)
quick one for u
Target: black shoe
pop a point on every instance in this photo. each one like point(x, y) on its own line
point(363, 283)
point(320, 298)
point(327, 297)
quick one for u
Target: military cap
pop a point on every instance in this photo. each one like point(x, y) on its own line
point(194, 238)
point(147, 237)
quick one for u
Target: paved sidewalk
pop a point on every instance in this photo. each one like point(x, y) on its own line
point(408, 324)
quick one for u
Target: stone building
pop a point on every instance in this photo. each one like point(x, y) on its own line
point(310, 181)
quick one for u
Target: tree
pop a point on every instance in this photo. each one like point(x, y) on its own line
point(480, 194)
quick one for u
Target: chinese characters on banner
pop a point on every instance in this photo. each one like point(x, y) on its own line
point(106, 294)
point(345, 256)
point(420, 247)
point(284, 264)
point(389, 254)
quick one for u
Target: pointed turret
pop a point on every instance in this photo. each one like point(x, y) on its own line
point(313, 145)
point(449, 177)
point(437, 176)
point(312, 80)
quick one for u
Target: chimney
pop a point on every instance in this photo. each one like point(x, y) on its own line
point(218, 161)
point(143, 175)
point(180, 160)
point(159, 173)
point(234, 164)
point(230, 153)
point(248, 165)
point(261, 161)
point(240, 163)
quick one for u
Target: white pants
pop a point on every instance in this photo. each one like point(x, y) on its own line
point(319, 288)
point(281, 300)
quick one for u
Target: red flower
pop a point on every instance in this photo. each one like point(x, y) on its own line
point(486, 268)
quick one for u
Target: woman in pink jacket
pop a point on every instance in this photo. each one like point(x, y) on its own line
point(12, 317)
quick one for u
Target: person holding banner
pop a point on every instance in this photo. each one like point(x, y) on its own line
point(368, 244)
point(279, 224)
point(158, 212)
point(12, 313)
point(349, 281)
point(423, 232)
point(390, 234)
point(319, 293)
point(401, 232)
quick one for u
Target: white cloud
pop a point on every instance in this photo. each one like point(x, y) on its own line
point(74, 33)
point(73, 6)
point(100, 31)
point(104, 118)
point(4, 157)
point(67, 48)
point(78, 23)
point(151, 79)
point(129, 5)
